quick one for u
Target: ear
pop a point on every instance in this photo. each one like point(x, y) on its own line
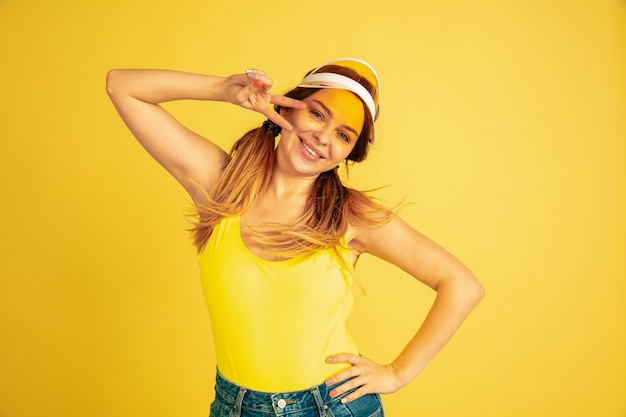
point(283, 111)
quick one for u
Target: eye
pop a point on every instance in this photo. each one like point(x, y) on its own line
point(317, 114)
point(344, 137)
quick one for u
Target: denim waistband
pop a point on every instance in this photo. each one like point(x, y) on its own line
point(278, 404)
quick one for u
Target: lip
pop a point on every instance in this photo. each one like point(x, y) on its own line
point(303, 149)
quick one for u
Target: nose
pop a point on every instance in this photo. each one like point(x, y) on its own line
point(322, 135)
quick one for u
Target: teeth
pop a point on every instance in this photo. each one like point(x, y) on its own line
point(311, 151)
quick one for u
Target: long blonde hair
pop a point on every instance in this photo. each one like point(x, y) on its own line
point(330, 207)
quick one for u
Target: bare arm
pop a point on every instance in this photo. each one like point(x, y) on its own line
point(458, 292)
point(193, 160)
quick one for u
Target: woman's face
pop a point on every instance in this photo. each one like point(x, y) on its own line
point(323, 134)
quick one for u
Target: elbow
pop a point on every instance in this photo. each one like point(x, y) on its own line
point(475, 292)
point(466, 288)
point(112, 82)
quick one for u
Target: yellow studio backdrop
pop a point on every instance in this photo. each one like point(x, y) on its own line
point(502, 122)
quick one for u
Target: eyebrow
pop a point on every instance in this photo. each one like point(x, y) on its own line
point(330, 113)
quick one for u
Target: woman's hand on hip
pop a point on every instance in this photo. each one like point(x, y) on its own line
point(252, 91)
point(366, 375)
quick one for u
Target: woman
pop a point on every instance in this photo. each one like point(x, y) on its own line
point(278, 236)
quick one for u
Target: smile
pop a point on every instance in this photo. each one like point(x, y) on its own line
point(310, 150)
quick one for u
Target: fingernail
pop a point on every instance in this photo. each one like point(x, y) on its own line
point(258, 84)
point(250, 74)
point(328, 382)
point(329, 359)
point(344, 400)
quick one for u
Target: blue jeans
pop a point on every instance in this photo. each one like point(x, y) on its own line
point(232, 400)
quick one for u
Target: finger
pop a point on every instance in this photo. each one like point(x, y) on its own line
point(251, 93)
point(344, 358)
point(346, 386)
point(255, 71)
point(344, 375)
point(288, 102)
point(256, 85)
point(279, 120)
point(247, 93)
point(258, 75)
point(355, 395)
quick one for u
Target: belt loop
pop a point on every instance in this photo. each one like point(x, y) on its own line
point(239, 401)
point(321, 408)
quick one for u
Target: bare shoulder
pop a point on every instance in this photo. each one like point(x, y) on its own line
point(383, 231)
point(400, 244)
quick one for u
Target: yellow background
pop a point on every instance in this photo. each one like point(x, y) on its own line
point(503, 122)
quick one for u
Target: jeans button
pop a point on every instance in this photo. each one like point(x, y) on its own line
point(281, 403)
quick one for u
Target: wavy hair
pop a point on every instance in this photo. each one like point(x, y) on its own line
point(330, 207)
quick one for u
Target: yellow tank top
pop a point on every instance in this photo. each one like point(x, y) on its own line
point(275, 322)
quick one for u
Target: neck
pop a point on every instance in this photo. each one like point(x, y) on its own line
point(284, 186)
point(283, 200)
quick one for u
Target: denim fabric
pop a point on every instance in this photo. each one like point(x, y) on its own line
point(231, 400)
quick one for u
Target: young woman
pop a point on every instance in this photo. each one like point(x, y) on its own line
point(279, 235)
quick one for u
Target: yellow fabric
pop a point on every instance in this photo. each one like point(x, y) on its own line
point(274, 323)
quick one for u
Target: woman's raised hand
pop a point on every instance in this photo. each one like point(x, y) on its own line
point(252, 91)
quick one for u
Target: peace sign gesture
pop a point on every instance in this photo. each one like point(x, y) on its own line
point(252, 91)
